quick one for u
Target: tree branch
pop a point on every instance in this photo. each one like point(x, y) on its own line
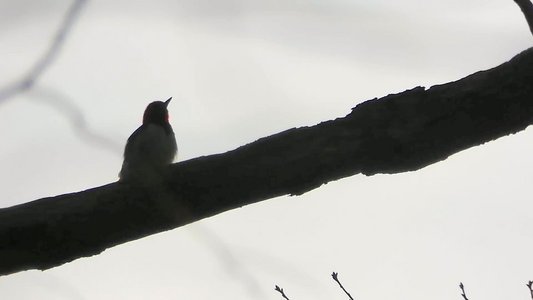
point(527, 8)
point(28, 81)
point(397, 133)
point(280, 290)
point(336, 278)
point(462, 287)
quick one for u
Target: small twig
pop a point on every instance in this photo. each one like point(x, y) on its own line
point(280, 290)
point(335, 277)
point(529, 286)
point(462, 287)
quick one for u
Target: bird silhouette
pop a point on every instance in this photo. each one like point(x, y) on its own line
point(151, 147)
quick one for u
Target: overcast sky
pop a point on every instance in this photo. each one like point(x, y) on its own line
point(240, 70)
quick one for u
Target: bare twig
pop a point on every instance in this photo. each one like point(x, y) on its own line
point(280, 290)
point(48, 57)
point(462, 287)
point(336, 278)
point(529, 286)
point(527, 8)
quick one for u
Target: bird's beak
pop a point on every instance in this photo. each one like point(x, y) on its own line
point(168, 101)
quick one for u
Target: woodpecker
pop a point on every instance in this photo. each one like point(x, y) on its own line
point(151, 147)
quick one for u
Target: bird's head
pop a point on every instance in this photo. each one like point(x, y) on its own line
point(156, 113)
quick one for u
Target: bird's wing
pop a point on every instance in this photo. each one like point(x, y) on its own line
point(152, 146)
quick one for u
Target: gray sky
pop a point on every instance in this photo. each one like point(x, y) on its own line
point(241, 70)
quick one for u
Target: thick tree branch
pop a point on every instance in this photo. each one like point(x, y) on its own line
point(396, 133)
point(527, 8)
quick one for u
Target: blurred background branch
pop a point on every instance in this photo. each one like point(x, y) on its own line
point(56, 99)
point(66, 106)
point(43, 63)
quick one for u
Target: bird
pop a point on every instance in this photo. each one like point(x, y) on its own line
point(151, 147)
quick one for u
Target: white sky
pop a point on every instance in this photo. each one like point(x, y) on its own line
point(241, 70)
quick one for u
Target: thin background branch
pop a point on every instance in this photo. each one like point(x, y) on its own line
point(48, 57)
point(65, 105)
point(55, 98)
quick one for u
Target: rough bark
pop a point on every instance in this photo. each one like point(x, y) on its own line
point(397, 133)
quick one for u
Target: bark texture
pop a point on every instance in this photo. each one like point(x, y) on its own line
point(397, 133)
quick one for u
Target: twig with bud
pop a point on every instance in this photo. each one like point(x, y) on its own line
point(336, 278)
point(280, 290)
point(462, 287)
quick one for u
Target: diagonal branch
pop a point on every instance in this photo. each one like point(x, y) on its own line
point(397, 133)
point(336, 278)
point(46, 60)
point(462, 287)
point(527, 8)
